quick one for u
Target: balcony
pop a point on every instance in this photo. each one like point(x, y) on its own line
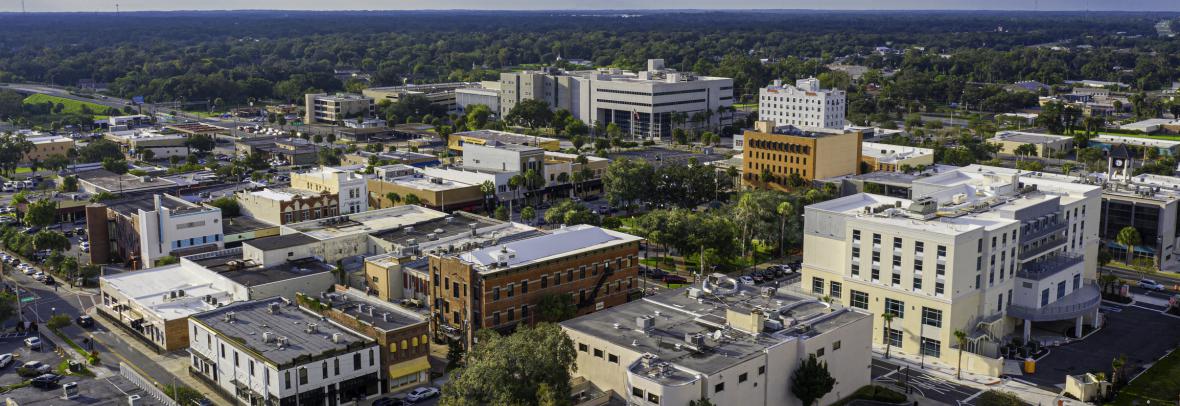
point(1043, 231)
point(1078, 303)
point(1046, 246)
point(1040, 270)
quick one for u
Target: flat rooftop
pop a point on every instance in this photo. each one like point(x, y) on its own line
point(132, 204)
point(438, 228)
point(504, 136)
point(383, 315)
point(284, 194)
point(1029, 138)
point(148, 288)
point(252, 319)
point(281, 241)
point(369, 222)
point(892, 153)
point(115, 183)
point(243, 224)
point(675, 315)
point(249, 274)
point(1140, 141)
point(562, 242)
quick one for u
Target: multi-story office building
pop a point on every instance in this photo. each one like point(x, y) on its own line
point(288, 205)
point(272, 352)
point(498, 287)
point(643, 104)
point(458, 140)
point(1047, 145)
point(350, 187)
point(774, 154)
point(980, 249)
point(725, 342)
point(336, 108)
point(140, 230)
point(488, 94)
point(804, 105)
point(439, 94)
point(504, 157)
point(47, 146)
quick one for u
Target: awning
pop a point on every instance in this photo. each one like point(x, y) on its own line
point(415, 365)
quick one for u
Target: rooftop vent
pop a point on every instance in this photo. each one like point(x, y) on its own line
point(645, 323)
point(229, 317)
point(268, 337)
point(273, 307)
point(312, 328)
point(337, 338)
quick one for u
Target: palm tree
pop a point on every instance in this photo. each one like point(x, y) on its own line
point(888, 317)
point(785, 209)
point(394, 198)
point(578, 178)
point(961, 337)
point(489, 189)
point(1025, 150)
point(514, 183)
point(1116, 373)
point(1128, 237)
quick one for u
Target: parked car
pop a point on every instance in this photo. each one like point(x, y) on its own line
point(46, 381)
point(5, 360)
point(34, 343)
point(654, 273)
point(746, 280)
point(674, 279)
point(423, 393)
point(49, 280)
point(38, 366)
point(1151, 285)
point(84, 321)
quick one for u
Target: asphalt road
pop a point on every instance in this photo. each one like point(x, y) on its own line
point(922, 384)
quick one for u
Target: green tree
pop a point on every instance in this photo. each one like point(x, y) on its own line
point(888, 317)
point(118, 166)
point(501, 213)
point(509, 370)
point(556, 307)
point(201, 142)
point(393, 198)
point(167, 260)
point(41, 213)
point(995, 397)
point(50, 240)
point(961, 339)
point(1129, 237)
point(703, 401)
point(58, 322)
point(528, 214)
point(229, 206)
point(69, 183)
point(7, 307)
point(455, 352)
point(99, 151)
point(412, 199)
point(812, 381)
point(531, 113)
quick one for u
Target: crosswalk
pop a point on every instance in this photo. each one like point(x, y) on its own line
point(929, 386)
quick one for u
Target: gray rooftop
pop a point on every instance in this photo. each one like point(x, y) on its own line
point(680, 315)
point(253, 318)
point(1029, 138)
point(243, 224)
point(116, 183)
point(250, 274)
point(281, 241)
point(442, 227)
point(382, 315)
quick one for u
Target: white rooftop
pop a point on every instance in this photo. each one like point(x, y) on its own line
point(1148, 125)
point(562, 242)
point(1153, 142)
point(368, 222)
point(892, 153)
point(148, 288)
point(48, 139)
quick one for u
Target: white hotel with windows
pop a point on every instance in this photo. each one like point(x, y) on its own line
point(804, 105)
point(985, 250)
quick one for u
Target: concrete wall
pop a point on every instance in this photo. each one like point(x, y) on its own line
point(312, 283)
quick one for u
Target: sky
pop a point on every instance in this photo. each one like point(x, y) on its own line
point(151, 5)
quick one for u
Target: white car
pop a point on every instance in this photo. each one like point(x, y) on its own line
point(423, 393)
point(29, 270)
point(38, 366)
point(1151, 285)
point(33, 343)
point(5, 360)
point(746, 280)
point(40, 276)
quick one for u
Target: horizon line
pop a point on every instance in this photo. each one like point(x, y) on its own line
point(963, 10)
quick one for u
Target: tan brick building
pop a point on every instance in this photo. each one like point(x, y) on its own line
point(499, 287)
point(810, 155)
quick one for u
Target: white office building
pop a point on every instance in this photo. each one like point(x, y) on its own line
point(269, 352)
point(985, 250)
point(804, 105)
point(177, 226)
point(643, 104)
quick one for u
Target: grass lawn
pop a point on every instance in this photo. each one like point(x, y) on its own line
point(71, 105)
point(1159, 384)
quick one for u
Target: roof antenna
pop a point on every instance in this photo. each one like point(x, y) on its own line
point(22, 6)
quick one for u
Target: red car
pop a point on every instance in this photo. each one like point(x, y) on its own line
point(669, 279)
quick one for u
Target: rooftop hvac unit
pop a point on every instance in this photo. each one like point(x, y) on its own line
point(645, 322)
point(272, 308)
point(312, 328)
point(337, 338)
point(268, 337)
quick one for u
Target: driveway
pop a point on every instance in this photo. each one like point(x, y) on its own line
point(1141, 334)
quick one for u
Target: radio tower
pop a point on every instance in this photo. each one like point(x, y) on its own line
point(116, 9)
point(22, 6)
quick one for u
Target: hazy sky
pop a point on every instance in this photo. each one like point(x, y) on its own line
point(133, 5)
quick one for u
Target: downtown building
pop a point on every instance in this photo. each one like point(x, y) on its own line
point(645, 104)
point(985, 250)
point(804, 105)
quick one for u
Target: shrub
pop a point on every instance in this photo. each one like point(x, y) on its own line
point(999, 398)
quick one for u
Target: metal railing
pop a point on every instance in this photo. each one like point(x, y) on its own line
point(1059, 312)
point(1043, 231)
point(148, 387)
point(1043, 248)
point(1048, 267)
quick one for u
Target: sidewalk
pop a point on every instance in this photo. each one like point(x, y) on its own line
point(100, 370)
point(171, 363)
point(1029, 393)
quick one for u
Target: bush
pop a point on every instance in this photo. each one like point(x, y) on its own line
point(874, 393)
point(999, 398)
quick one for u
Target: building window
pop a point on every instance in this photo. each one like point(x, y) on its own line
point(524, 286)
point(718, 388)
point(235, 359)
point(303, 375)
point(817, 286)
point(836, 346)
point(860, 300)
point(931, 347)
point(583, 347)
point(761, 369)
point(917, 283)
point(612, 358)
point(287, 379)
point(544, 281)
point(653, 398)
point(597, 353)
point(637, 392)
point(324, 369)
point(896, 307)
point(1045, 297)
point(892, 337)
point(931, 317)
point(939, 287)
point(356, 361)
point(835, 289)
point(743, 377)
point(819, 352)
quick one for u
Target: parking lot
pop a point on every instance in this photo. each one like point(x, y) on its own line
point(14, 344)
point(1143, 335)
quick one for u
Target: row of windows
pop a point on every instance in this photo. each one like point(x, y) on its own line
point(194, 241)
point(509, 289)
point(804, 100)
point(930, 317)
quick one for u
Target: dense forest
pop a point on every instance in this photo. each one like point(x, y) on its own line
point(237, 56)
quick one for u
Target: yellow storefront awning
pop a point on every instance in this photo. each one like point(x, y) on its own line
point(415, 365)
